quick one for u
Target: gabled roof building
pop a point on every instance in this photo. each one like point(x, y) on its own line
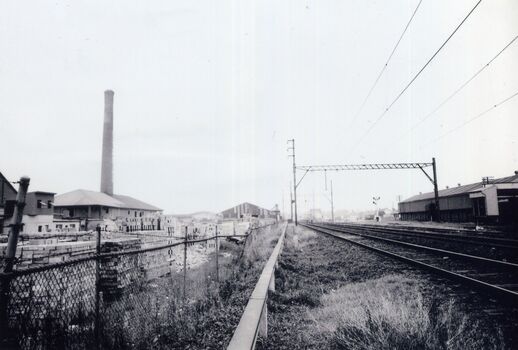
point(491, 200)
point(94, 207)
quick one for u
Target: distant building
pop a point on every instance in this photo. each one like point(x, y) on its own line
point(7, 201)
point(38, 214)
point(7, 197)
point(115, 212)
point(316, 215)
point(246, 211)
point(491, 200)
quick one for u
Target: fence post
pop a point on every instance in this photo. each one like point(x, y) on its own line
point(97, 330)
point(185, 263)
point(217, 257)
point(7, 340)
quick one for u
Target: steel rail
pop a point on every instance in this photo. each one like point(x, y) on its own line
point(480, 241)
point(254, 321)
point(503, 293)
point(475, 258)
point(503, 242)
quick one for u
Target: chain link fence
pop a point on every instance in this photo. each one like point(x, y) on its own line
point(106, 301)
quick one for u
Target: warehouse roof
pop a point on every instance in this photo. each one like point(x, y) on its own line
point(86, 197)
point(250, 205)
point(454, 191)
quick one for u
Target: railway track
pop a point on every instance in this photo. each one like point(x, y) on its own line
point(489, 247)
point(495, 277)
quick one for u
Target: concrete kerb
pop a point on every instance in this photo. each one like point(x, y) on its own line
point(254, 320)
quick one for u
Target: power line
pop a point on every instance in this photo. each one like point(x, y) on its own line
point(462, 86)
point(414, 78)
point(473, 119)
point(384, 66)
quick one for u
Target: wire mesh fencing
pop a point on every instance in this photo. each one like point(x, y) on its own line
point(113, 299)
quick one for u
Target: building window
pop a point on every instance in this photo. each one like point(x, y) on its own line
point(49, 204)
point(40, 228)
point(59, 226)
point(38, 204)
point(135, 213)
point(107, 210)
point(72, 225)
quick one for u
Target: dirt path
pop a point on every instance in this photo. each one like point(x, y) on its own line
point(333, 295)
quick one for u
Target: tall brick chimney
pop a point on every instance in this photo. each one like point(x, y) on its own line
point(107, 161)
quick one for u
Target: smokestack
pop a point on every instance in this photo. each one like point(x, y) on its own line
point(107, 161)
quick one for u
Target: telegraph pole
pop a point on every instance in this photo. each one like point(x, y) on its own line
point(292, 148)
point(436, 191)
point(332, 204)
point(291, 203)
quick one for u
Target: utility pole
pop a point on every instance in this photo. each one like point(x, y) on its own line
point(292, 148)
point(291, 203)
point(217, 256)
point(332, 204)
point(436, 191)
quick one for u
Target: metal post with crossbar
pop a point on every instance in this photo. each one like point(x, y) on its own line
point(370, 166)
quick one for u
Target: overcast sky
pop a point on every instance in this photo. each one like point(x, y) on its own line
point(208, 92)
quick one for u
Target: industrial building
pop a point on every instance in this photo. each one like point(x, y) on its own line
point(248, 210)
point(488, 201)
point(83, 209)
point(110, 211)
point(38, 213)
point(122, 213)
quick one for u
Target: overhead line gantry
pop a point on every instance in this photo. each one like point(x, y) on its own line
point(360, 167)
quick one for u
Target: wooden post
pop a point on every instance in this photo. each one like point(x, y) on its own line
point(12, 241)
point(97, 324)
point(217, 257)
point(185, 263)
point(7, 340)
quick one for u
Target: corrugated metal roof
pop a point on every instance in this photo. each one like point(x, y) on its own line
point(454, 191)
point(86, 197)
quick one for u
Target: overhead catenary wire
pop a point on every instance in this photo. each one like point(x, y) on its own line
point(384, 67)
point(471, 119)
point(463, 85)
point(362, 137)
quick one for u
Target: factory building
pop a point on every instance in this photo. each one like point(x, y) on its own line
point(115, 212)
point(110, 211)
point(247, 210)
point(38, 212)
point(488, 201)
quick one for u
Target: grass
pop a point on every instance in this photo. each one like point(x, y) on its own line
point(390, 313)
point(155, 314)
point(335, 296)
point(208, 315)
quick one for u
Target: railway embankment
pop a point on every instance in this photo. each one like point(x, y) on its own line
point(331, 294)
